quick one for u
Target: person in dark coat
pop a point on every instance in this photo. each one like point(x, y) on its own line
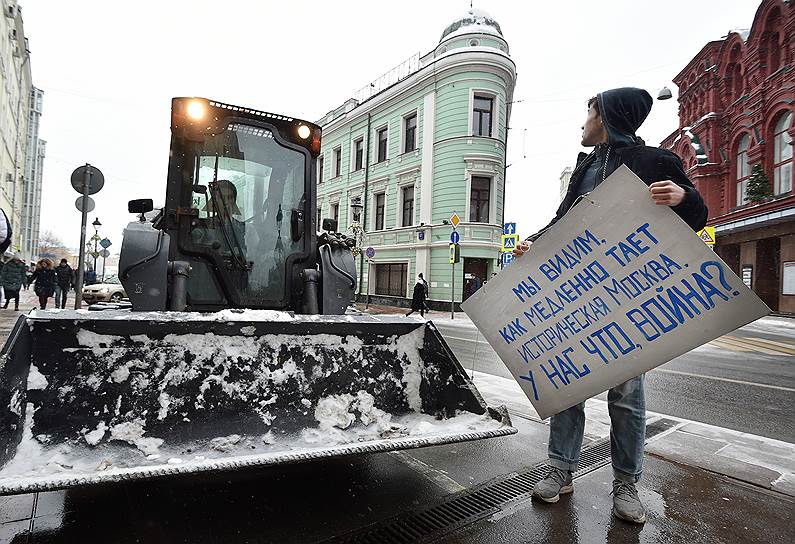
point(45, 279)
point(613, 118)
point(65, 280)
point(418, 298)
point(12, 278)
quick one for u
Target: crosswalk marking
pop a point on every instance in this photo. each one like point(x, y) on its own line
point(725, 345)
point(760, 345)
point(773, 344)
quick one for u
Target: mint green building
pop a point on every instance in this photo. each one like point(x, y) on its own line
point(424, 141)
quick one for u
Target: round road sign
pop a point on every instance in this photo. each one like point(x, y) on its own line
point(370, 252)
point(455, 237)
point(79, 204)
point(95, 179)
point(104, 253)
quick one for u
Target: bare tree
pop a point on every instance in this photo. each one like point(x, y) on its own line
point(51, 246)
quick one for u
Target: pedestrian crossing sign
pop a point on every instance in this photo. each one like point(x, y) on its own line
point(509, 241)
point(707, 235)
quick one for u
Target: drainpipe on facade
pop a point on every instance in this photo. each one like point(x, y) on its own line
point(504, 176)
point(364, 214)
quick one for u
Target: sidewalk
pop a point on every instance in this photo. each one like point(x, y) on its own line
point(756, 460)
point(749, 458)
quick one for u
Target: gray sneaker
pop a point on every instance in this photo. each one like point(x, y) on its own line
point(626, 504)
point(556, 483)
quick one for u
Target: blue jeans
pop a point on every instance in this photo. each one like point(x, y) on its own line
point(626, 404)
point(60, 296)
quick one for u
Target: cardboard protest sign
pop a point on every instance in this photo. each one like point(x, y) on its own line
point(617, 287)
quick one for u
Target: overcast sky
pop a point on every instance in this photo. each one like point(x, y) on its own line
point(109, 70)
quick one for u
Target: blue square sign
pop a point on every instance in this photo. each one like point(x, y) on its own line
point(509, 228)
point(507, 258)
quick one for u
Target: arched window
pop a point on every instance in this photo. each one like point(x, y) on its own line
point(782, 155)
point(774, 55)
point(743, 170)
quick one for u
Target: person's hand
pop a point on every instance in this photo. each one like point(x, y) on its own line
point(666, 193)
point(521, 248)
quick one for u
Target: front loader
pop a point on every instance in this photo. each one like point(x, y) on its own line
point(237, 350)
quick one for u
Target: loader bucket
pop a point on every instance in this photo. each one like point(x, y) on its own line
point(93, 397)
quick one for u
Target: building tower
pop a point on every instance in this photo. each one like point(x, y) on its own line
point(34, 163)
point(423, 141)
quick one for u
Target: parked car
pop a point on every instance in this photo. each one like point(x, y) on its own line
point(110, 290)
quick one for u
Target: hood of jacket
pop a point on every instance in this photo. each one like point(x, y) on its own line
point(623, 111)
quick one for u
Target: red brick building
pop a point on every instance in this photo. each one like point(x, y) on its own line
point(737, 110)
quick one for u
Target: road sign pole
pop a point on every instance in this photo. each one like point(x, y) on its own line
point(369, 277)
point(452, 292)
point(82, 258)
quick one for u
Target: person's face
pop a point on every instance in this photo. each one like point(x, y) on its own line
point(593, 131)
point(225, 196)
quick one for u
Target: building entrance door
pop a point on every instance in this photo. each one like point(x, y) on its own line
point(768, 265)
point(474, 275)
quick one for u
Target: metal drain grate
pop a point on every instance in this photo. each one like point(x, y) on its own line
point(480, 501)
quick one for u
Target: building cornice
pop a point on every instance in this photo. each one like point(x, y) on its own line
point(439, 67)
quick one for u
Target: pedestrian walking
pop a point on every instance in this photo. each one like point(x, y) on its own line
point(12, 278)
point(418, 298)
point(425, 284)
point(613, 118)
point(65, 281)
point(45, 279)
point(90, 277)
point(29, 275)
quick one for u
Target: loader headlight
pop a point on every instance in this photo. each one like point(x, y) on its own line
point(196, 110)
point(303, 132)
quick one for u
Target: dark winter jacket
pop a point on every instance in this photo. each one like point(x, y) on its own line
point(65, 276)
point(45, 281)
point(12, 276)
point(623, 111)
point(418, 297)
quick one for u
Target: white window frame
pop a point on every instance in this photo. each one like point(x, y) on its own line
point(319, 166)
point(352, 165)
point(495, 114)
point(782, 140)
point(375, 142)
point(334, 152)
point(409, 284)
point(373, 197)
point(492, 195)
point(403, 119)
point(741, 186)
point(399, 210)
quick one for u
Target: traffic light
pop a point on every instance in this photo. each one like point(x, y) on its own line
point(455, 253)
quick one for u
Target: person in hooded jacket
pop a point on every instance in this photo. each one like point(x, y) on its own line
point(418, 298)
point(613, 118)
point(45, 279)
point(12, 278)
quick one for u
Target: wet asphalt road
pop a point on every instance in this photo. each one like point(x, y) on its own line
point(326, 501)
point(745, 381)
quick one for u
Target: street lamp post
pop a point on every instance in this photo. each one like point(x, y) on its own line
point(96, 224)
point(357, 231)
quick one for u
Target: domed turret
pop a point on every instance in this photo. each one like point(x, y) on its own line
point(475, 20)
